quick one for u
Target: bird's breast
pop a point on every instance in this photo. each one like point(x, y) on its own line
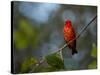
point(69, 34)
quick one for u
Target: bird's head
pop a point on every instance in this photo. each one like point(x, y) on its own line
point(68, 23)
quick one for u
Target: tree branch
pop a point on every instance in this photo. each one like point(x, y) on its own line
point(65, 45)
point(85, 27)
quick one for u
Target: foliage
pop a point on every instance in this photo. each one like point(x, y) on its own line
point(55, 61)
point(20, 40)
point(93, 65)
point(26, 27)
point(45, 69)
point(27, 63)
point(25, 35)
point(94, 50)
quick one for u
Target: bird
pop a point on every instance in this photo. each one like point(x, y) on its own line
point(69, 34)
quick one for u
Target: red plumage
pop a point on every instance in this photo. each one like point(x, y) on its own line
point(69, 34)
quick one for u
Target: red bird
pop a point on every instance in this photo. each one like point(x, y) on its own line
point(69, 34)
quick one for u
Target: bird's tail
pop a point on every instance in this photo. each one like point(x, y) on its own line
point(74, 51)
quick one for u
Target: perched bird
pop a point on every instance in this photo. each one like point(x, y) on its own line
point(69, 34)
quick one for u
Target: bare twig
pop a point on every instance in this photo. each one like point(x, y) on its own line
point(65, 45)
point(36, 66)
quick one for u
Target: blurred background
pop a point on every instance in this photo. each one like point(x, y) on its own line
point(38, 31)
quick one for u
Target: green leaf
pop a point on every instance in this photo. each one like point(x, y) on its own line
point(93, 65)
point(94, 50)
point(27, 64)
point(55, 61)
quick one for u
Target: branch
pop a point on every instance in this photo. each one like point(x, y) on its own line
point(65, 45)
point(85, 27)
